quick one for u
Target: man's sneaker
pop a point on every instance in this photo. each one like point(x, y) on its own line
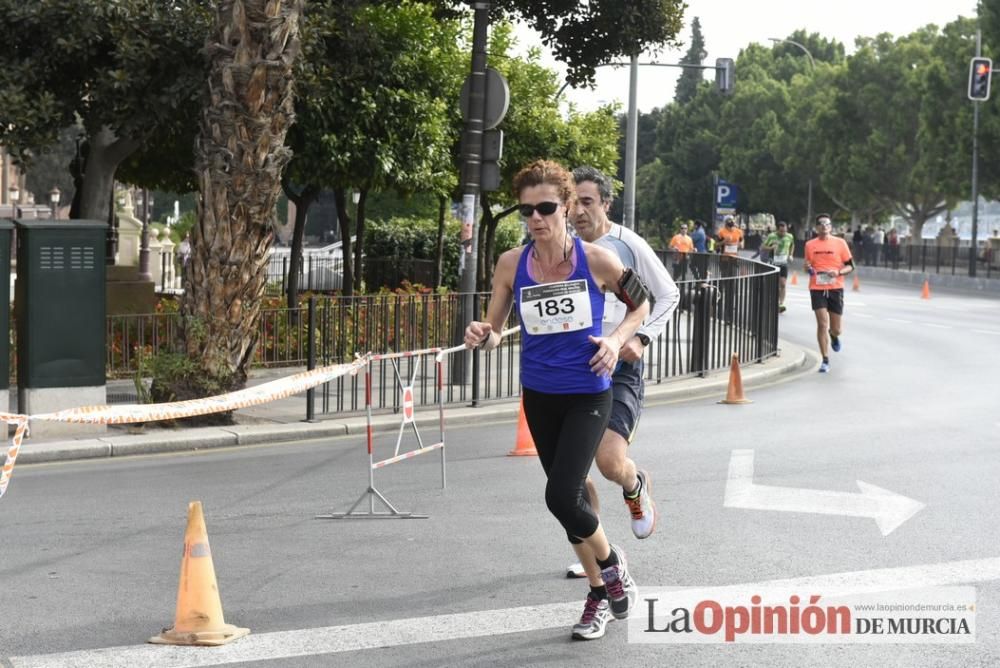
point(781, 308)
point(642, 508)
point(824, 367)
point(621, 588)
point(835, 343)
point(575, 570)
point(593, 622)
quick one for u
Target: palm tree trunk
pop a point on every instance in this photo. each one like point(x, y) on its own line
point(240, 155)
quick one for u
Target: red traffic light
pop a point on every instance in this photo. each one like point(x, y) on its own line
point(980, 74)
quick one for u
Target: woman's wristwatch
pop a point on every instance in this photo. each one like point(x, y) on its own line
point(643, 338)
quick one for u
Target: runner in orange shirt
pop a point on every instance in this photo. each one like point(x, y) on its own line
point(827, 259)
point(731, 237)
point(681, 244)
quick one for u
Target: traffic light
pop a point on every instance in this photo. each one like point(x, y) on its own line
point(980, 71)
point(489, 168)
point(725, 75)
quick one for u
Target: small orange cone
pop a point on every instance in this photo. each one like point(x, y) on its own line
point(198, 620)
point(926, 292)
point(525, 445)
point(795, 278)
point(857, 284)
point(734, 395)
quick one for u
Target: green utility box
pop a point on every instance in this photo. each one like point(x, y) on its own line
point(60, 311)
point(6, 227)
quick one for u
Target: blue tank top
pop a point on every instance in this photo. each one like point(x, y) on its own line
point(559, 363)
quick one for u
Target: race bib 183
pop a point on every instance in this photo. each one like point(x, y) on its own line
point(553, 308)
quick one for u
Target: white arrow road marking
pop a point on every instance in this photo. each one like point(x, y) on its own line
point(478, 624)
point(888, 509)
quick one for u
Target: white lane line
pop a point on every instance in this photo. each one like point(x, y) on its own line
point(931, 324)
point(485, 623)
point(905, 322)
point(985, 331)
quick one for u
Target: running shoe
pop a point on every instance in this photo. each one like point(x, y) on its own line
point(781, 308)
point(824, 367)
point(621, 588)
point(835, 343)
point(642, 508)
point(594, 621)
point(575, 570)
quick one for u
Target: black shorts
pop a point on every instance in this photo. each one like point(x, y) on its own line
point(627, 388)
point(782, 270)
point(831, 300)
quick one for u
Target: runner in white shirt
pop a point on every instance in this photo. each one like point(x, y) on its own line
point(590, 219)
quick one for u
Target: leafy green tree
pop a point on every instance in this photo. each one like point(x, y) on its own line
point(691, 78)
point(121, 70)
point(585, 37)
point(535, 128)
point(751, 131)
point(899, 101)
point(373, 110)
point(689, 147)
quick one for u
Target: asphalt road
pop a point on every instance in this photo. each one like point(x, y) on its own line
point(90, 551)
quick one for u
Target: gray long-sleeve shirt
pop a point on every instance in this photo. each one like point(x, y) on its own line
point(636, 254)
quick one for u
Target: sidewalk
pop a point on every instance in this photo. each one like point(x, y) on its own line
point(282, 421)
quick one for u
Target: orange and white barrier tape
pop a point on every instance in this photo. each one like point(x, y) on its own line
point(124, 414)
point(454, 349)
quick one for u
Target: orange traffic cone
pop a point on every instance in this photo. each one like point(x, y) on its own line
point(795, 278)
point(857, 284)
point(926, 292)
point(734, 395)
point(198, 620)
point(525, 445)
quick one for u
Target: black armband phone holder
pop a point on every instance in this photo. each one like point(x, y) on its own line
point(631, 290)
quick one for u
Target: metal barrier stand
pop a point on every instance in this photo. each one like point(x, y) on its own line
point(372, 492)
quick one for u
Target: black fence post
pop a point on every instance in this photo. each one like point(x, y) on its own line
point(699, 335)
point(475, 354)
point(311, 357)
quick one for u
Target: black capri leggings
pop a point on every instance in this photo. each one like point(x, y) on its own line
point(567, 428)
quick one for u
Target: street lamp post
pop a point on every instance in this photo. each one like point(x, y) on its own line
point(812, 66)
point(144, 272)
point(54, 196)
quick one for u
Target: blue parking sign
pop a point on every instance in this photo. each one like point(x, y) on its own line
point(726, 194)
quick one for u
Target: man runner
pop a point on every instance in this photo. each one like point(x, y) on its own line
point(827, 259)
point(781, 244)
point(593, 190)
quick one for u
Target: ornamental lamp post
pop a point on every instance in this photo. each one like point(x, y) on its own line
point(54, 196)
point(144, 273)
point(14, 195)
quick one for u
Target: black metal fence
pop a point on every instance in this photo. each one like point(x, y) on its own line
point(929, 257)
point(924, 256)
point(727, 305)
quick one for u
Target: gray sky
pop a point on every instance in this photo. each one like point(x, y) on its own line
point(730, 26)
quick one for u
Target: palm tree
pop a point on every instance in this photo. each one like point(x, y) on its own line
point(239, 155)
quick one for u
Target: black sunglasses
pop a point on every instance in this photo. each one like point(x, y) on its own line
point(544, 208)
